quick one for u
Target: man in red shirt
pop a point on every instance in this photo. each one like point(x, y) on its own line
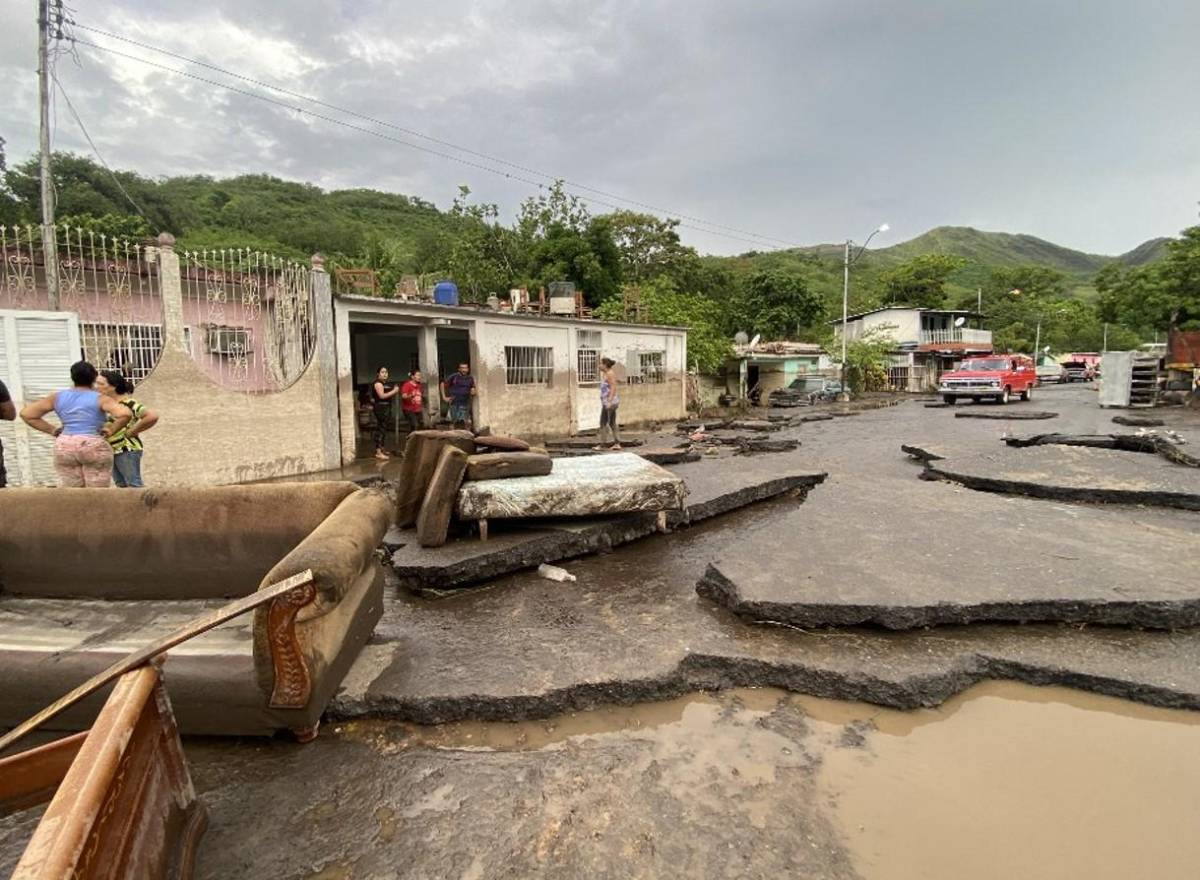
point(412, 401)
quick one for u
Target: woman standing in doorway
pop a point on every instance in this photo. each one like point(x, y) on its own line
point(126, 442)
point(382, 392)
point(82, 456)
point(609, 399)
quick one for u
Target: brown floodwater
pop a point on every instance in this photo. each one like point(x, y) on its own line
point(1003, 781)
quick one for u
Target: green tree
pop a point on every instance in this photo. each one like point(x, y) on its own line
point(561, 241)
point(663, 303)
point(776, 305)
point(649, 246)
point(1159, 296)
point(920, 281)
point(867, 358)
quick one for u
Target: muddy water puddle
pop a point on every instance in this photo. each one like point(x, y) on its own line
point(1003, 781)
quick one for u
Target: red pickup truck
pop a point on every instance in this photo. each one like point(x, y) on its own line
point(998, 376)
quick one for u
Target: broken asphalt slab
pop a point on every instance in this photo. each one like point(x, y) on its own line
point(1149, 442)
point(1138, 421)
point(1005, 414)
point(1074, 473)
point(712, 490)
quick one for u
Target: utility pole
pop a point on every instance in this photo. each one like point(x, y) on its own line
point(49, 244)
point(1105, 349)
point(844, 395)
point(979, 300)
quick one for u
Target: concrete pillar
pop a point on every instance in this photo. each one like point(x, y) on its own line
point(325, 363)
point(170, 288)
point(347, 404)
point(427, 355)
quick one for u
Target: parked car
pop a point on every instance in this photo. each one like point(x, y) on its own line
point(995, 377)
point(805, 390)
point(1051, 371)
point(1079, 371)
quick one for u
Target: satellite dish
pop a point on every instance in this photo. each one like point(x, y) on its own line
point(740, 338)
point(959, 321)
point(754, 341)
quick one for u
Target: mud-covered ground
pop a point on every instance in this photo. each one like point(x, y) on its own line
point(718, 782)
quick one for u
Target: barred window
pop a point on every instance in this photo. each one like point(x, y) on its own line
point(588, 356)
point(528, 365)
point(651, 368)
point(131, 348)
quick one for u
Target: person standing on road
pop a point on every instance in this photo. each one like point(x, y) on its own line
point(382, 392)
point(457, 390)
point(412, 400)
point(82, 456)
point(8, 413)
point(609, 400)
point(126, 442)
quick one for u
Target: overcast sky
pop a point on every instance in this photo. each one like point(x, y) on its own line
point(806, 121)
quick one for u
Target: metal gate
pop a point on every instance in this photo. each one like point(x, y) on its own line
point(36, 353)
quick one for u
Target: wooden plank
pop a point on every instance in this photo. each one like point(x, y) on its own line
point(189, 630)
point(31, 777)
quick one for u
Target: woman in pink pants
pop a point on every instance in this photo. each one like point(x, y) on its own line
point(82, 456)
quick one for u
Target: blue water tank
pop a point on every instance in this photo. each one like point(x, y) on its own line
point(445, 293)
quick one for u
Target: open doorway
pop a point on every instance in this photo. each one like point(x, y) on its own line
point(372, 346)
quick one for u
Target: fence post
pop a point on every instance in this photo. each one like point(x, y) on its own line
point(326, 363)
point(170, 288)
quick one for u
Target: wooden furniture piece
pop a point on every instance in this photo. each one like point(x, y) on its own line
point(172, 555)
point(357, 281)
point(121, 798)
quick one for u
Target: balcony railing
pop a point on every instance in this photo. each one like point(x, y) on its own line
point(956, 334)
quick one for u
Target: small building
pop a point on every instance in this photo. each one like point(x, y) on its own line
point(929, 342)
point(537, 374)
point(760, 369)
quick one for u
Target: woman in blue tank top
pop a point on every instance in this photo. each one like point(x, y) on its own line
point(82, 456)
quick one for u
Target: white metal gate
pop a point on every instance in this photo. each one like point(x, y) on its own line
point(36, 353)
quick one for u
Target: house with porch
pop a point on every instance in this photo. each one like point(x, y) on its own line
point(757, 370)
point(929, 342)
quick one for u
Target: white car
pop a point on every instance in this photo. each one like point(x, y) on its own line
point(1050, 372)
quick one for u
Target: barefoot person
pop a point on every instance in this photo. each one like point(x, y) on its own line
point(126, 442)
point(609, 399)
point(82, 456)
point(382, 392)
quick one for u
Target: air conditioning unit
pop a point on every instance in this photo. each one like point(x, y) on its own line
point(227, 340)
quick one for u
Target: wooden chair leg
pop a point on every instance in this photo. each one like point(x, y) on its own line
point(483, 530)
point(662, 521)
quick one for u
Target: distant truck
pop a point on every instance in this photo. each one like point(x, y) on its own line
point(996, 377)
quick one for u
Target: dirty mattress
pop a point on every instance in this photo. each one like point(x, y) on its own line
point(587, 486)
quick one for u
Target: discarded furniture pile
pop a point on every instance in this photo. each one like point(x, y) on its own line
point(459, 476)
point(85, 575)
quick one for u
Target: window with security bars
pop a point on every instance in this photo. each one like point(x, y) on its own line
point(528, 364)
point(588, 356)
point(133, 349)
point(651, 367)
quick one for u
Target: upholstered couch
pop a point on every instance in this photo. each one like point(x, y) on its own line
point(88, 575)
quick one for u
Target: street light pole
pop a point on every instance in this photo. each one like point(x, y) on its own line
point(845, 315)
point(844, 395)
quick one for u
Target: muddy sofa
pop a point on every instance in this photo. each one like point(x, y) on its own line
point(88, 575)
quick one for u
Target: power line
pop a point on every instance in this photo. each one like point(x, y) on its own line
point(713, 228)
point(95, 149)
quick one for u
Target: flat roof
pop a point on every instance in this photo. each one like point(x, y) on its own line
point(468, 312)
point(969, 313)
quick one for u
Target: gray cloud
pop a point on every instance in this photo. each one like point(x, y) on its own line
point(802, 121)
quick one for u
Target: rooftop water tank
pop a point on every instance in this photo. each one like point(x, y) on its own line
point(562, 297)
point(445, 293)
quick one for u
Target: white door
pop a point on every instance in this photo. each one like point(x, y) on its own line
point(36, 353)
point(587, 375)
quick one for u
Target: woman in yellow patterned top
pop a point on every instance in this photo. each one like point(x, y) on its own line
point(126, 443)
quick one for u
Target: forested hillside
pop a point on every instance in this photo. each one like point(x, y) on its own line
point(1018, 280)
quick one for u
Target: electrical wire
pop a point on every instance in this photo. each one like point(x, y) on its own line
point(712, 227)
point(95, 149)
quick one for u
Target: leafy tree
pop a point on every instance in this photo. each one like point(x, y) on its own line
point(920, 281)
point(649, 246)
point(1159, 296)
point(663, 303)
point(777, 305)
point(122, 226)
point(867, 358)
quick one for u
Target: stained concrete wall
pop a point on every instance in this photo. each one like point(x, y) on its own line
point(208, 434)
